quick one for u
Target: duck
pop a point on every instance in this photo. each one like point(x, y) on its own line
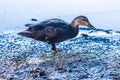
point(55, 30)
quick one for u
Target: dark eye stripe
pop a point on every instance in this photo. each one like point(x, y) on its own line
point(84, 19)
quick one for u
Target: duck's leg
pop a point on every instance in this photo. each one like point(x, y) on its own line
point(54, 48)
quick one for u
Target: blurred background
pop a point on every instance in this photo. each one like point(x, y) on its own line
point(103, 14)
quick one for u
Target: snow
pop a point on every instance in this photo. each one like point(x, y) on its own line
point(92, 55)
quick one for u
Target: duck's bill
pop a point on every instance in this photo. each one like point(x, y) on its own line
point(91, 26)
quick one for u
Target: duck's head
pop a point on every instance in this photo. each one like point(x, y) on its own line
point(82, 20)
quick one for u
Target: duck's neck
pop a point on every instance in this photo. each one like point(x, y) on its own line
point(75, 30)
point(74, 24)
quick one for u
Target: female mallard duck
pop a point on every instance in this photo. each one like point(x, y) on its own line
point(55, 30)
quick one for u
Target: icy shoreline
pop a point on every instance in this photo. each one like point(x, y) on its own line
point(92, 55)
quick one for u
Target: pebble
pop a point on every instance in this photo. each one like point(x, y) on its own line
point(89, 57)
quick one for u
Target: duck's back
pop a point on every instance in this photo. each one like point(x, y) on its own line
point(52, 31)
point(56, 23)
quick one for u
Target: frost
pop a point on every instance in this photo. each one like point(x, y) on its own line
point(92, 55)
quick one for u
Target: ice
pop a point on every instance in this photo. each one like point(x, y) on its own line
point(93, 54)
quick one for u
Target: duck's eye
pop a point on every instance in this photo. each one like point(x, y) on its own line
point(84, 19)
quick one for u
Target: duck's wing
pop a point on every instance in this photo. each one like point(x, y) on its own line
point(55, 29)
point(56, 23)
point(50, 26)
point(53, 35)
point(51, 29)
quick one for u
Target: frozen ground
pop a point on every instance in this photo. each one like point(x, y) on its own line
point(92, 55)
